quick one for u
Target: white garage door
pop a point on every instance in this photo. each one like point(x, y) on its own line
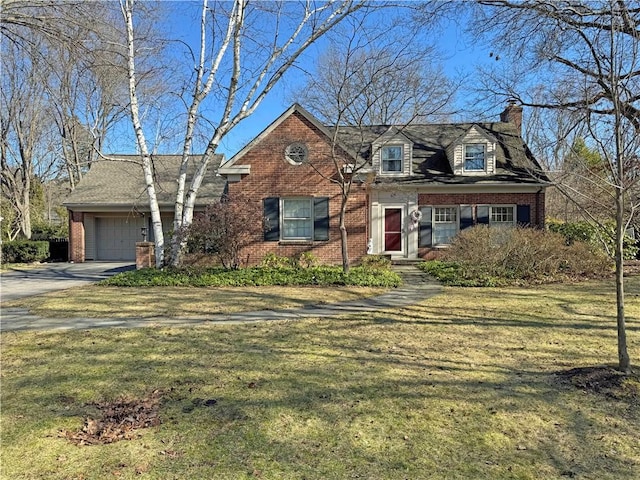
point(116, 237)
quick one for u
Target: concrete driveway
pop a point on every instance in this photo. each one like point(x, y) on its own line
point(56, 276)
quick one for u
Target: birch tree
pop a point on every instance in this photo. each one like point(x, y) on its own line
point(582, 58)
point(364, 79)
point(244, 51)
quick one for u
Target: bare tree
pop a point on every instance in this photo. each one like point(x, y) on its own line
point(22, 21)
point(58, 95)
point(365, 80)
point(86, 83)
point(26, 141)
point(583, 58)
point(237, 63)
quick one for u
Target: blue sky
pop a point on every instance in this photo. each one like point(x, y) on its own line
point(460, 55)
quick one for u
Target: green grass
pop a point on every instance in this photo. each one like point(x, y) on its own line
point(460, 386)
point(98, 301)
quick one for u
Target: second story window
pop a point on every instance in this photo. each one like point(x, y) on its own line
point(474, 157)
point(391, 157)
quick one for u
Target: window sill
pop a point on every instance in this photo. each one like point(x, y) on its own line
point(296, 242)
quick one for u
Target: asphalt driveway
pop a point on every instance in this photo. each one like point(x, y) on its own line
point(56, 276)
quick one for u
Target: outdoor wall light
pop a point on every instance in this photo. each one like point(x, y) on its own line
point(143, 231)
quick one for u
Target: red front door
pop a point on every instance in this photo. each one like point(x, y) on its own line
point(393, 229)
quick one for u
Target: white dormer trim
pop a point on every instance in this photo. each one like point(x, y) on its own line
point(456, 152)
point(392, 138)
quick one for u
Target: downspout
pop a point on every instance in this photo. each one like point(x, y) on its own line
point(539, 209)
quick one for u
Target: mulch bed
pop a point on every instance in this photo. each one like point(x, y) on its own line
point(118, 420)
point(603, 380)
point(632, 267)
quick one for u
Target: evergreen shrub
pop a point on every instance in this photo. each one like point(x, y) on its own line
point(25, 251)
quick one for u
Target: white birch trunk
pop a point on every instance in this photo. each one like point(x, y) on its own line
point(181, 219)
point(280, 57)
point(147, 164)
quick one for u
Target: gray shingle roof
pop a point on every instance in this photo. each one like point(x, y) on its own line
point(121, 183)
point(514, 161)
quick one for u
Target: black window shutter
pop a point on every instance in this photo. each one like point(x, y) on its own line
point(466, 216)
point(272, 218)
point(523, 215)
point(321, 218)
point(482, 212)
point(425, 239)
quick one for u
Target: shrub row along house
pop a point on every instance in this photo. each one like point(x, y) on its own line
point(414, 188)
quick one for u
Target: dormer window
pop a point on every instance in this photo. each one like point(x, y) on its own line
point(475, 157)
point(391, 157)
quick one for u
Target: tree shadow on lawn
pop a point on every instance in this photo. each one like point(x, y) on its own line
point(425, 314)
point(180, 302)
point(372, 393)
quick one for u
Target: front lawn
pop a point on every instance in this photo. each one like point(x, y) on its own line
point(462, 386)
point(199, 292)
point(98, 301)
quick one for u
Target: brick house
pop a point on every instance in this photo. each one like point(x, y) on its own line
point(415, 187)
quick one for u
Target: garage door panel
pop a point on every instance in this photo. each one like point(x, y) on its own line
point(116, 237)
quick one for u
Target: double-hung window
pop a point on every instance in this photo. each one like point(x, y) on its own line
point(297, 218)
point(445, 224)
point(501, 216)
point(474, 157)
point(391, 159)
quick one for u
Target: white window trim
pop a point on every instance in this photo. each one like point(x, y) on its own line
point(402, 160)
point(433, 224)
point(301, 147)
point(464, 158)
point(505, 224)
point(282, 219)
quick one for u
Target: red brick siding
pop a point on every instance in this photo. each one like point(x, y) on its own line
point(272, 176)
point(536, 202)
point(76, 237)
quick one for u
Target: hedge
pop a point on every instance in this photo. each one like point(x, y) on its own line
point(25, 251)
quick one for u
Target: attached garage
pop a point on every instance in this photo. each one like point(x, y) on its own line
point(109, 207)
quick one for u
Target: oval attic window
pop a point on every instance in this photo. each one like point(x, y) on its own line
point(296, 153)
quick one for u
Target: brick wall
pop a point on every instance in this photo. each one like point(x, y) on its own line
point(272, 176)
point(534, 200)
point(76, 237)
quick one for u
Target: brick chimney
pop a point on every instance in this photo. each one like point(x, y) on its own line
point(512, 114)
